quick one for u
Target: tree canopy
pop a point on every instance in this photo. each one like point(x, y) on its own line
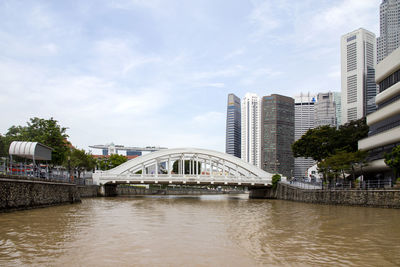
point(275, 180)
point(342, 162)
point(3, 146)
point(80, 161)
point(392, 159)
point(47, 132)
point(110, 162)
point(322, 142)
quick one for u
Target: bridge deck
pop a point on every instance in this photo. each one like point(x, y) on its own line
point(187, 179)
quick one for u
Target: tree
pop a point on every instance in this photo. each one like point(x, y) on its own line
point(340, 163)
point(197, 170)
point(316, 143)
point(392, 159)
point(113, 161)
point(47, 132)
point(322, 142)
point(350, 133)
point(3, 146)
point(80, 161)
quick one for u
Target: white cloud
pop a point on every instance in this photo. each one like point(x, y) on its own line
point(118, 57)
point(51, 48)
point(129, 4)
point(216, 85)
point(264, 18)
point(235, 53)
point(328, 24)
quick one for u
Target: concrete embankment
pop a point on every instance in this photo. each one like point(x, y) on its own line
point(124, 191)
point(385, 198)
point(18, 193)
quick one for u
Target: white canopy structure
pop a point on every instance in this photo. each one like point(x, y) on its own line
point(30, 150)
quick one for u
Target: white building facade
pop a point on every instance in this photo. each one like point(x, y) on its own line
point(384, 124)
point(358, 60)
point(389, 38)
point(325, 110)
point(304, 118)
point(251, 129)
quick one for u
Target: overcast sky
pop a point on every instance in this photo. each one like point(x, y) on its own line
point(157, 72)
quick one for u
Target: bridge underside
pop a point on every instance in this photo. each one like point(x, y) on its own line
point(188, 182)
point(257, 190)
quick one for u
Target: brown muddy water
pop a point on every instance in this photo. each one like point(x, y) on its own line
point(216, 230)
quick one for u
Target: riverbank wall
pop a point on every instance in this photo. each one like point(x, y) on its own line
point(17, 194)
point(384, 198)
point(88, 190)
point(126, 191)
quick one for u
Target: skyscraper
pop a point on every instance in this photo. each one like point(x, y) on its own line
point(325, 110)
point(304, 117)
point(358, 59)
point(338, 101)
point(389, 38)
point(277, 134)
point(233, 126)
point(251, 119)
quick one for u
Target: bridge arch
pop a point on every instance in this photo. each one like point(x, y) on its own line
point(214, 166)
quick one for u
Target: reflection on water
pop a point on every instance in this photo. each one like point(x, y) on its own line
point(212, 230)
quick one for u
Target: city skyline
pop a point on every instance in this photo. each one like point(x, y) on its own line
point(150, 72)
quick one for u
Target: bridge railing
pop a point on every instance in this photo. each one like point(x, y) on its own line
point(180, 178)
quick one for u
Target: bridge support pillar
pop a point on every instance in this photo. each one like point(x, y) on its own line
point(262, 192)
point(107, 190)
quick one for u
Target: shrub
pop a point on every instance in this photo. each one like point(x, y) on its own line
point(275, 180)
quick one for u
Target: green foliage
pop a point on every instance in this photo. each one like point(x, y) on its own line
point(392, 159)
point(187, 163)
point(80, 161)
point(342, 162)
point(275, 180)
point(47, 132)
point(113, 161)
point(322, 142)
point(316, 143)
point(350, 133)
point(3, 146)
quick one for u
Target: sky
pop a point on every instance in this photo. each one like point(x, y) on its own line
point(158, 72)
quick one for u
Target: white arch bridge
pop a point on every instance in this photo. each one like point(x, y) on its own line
point(205, 167)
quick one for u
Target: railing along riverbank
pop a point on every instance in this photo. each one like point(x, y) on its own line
point(372, 197)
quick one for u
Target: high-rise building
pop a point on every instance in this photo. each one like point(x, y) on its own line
point(277, 134)
point(251, 130)
point(304, 110)
point(325, 110)
point(358, 59)
point(389, 38)
point(338, 101)
point(384, 124)
point(233, 126)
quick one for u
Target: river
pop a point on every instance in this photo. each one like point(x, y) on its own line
point(216, 230)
